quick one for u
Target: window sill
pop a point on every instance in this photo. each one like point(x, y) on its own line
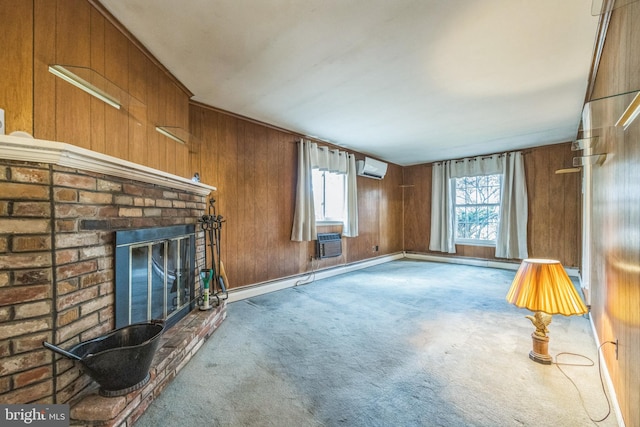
point(321, 223)
point(475, 243)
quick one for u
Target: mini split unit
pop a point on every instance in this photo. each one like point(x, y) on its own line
point(371, 168)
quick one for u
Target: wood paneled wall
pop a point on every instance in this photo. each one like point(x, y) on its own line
point(234, 154)
point(40, 33)
point(16, 66)
point(254, 167)
point(554, 208)
point(554, 229)
point(615, 246)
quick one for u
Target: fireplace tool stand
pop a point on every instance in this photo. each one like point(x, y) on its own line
point(213, 279)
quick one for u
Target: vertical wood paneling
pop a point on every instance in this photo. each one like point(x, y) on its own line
point(417, 207)
point(369, 194)
point(390, 207)
point(73, 106)
point(270, 209)
point(537, 173)
point(226, 153)
point(245, 213)
point(161, 120)
point(74, 33)
point(116, 70)
point(615, 246)
point(572, 227)
point(195, 127)
point(615, 270)
point(207, 173)
point(481, 252)
point(287, 175)
point(154, 151)
point(249, 206)
point(256, 173)
point(98, 123)
point(366, 187)
point(16, 98)
point(183, 167)
point(617, 41)
point(554, 204)
point(167, 103)
point(261, 232)
point(44, 49)
point(137, 83)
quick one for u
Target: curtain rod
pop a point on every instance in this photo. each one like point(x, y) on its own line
point(486, 156)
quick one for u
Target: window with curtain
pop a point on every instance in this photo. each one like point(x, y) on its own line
point(329, 196)
point(464, 205)
point(477, 209)
point(311, 157)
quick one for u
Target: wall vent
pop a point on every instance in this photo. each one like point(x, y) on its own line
point(329, 245)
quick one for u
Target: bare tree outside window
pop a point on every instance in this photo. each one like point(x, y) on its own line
point(477, 208)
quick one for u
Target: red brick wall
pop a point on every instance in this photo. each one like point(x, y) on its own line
point(57, 228)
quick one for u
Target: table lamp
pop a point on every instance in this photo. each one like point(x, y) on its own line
point(542, 286)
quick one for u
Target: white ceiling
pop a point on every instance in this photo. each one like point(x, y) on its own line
point(408, 81)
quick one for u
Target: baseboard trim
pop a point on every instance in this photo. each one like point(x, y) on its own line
point(288, 282)
point(607, 378)
point(465, 261)
point(571, 271)
point(303, 279)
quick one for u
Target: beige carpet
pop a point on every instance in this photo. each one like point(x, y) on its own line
point(406, 343)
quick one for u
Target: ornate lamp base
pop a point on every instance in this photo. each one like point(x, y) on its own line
point(540, 352)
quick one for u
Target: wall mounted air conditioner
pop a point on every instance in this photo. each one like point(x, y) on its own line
point(329, 245)
point(371, 168)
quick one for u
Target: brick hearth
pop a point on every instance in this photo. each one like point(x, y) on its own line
point(178, 345)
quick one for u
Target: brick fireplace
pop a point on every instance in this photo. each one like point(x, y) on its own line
point(60, 207)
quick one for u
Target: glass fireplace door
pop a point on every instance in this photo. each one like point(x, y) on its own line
point(154, 279)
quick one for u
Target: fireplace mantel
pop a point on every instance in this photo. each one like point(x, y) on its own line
point(67, 155)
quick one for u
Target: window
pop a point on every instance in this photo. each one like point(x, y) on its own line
point(329, 195)
point(477, 209)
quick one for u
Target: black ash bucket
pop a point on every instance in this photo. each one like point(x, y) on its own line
point(119, 361)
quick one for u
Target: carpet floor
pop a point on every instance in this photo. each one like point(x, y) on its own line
point(405, 343)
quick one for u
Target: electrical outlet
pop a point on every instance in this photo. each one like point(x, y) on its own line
point(310, 258)
point(1, 121)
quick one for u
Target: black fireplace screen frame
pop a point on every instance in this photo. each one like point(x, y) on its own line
point(161, 246)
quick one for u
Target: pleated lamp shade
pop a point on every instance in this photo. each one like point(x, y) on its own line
point(543, 285)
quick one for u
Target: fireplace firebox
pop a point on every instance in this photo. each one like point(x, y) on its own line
point(155, 274)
